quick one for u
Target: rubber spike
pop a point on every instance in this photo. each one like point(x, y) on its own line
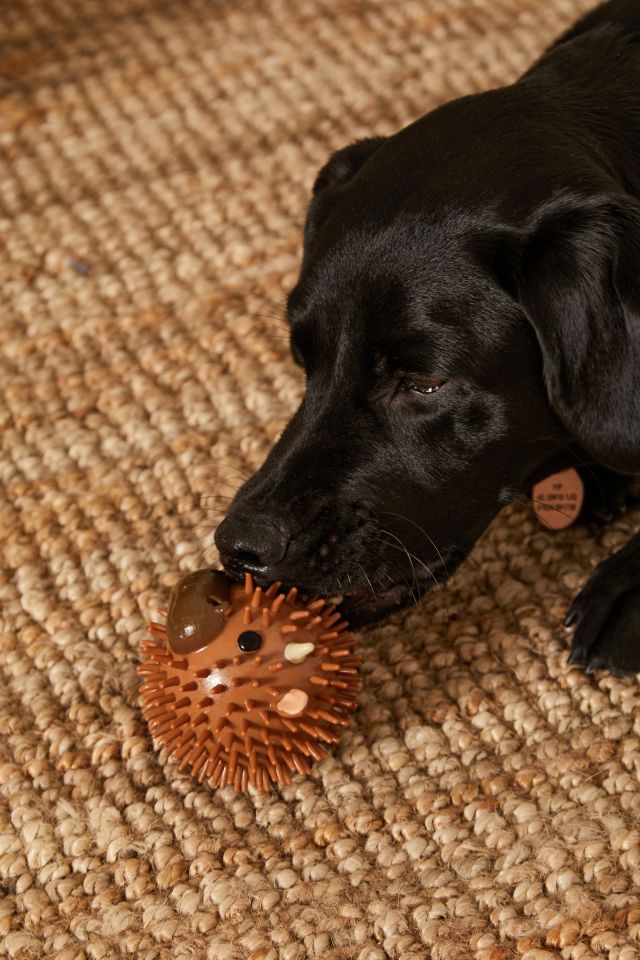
point(277, 603)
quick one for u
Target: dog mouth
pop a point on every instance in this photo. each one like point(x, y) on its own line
point(369, 605)
point(377, 600)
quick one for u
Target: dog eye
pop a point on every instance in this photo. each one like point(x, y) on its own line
point(421, 384)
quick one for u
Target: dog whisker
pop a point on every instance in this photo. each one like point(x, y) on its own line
point(411, 557)
point(235, 482)
point(525, 498)
point(423, 532)
point(368, 580)
point(201, 555)
point(212, 496)
point(198, 502)
point(276, 320)
point(400, 575)
point(416, 558)
point(408, 555)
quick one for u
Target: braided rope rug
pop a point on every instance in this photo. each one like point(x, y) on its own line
point(156, 160)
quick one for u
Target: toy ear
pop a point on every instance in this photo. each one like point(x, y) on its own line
point(339, 169)
point(578, 280)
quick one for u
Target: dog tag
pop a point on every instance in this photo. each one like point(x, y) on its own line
point(557, 500)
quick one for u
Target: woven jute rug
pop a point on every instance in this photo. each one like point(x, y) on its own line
point(156, 160)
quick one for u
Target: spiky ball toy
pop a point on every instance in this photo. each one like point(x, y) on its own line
point(246, 686)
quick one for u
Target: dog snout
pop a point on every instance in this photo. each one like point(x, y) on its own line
point(251, 543)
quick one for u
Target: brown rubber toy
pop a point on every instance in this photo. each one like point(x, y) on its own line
point(246, 686)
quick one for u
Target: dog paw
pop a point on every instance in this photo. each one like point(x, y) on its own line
point(606, 615)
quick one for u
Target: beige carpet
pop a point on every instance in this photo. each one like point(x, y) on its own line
point(156, 157)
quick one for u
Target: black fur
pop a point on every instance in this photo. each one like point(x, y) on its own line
point(493, 246)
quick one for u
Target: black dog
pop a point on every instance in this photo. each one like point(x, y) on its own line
point(468, 318)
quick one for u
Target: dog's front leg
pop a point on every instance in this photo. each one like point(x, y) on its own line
point(606, 614)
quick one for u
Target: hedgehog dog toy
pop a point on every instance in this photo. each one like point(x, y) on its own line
point(246, 686)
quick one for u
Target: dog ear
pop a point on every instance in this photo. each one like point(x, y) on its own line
point(341, 167)
point(578, 280)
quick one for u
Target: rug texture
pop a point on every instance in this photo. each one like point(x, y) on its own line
point(156, 157)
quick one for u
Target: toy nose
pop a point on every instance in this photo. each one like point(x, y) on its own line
point(250, 543)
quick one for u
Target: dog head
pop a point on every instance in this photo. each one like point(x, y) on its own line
point(451, 320)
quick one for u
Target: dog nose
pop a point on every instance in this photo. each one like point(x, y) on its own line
point(250, 543)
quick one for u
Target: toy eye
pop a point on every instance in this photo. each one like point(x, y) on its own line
point(249, 640)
